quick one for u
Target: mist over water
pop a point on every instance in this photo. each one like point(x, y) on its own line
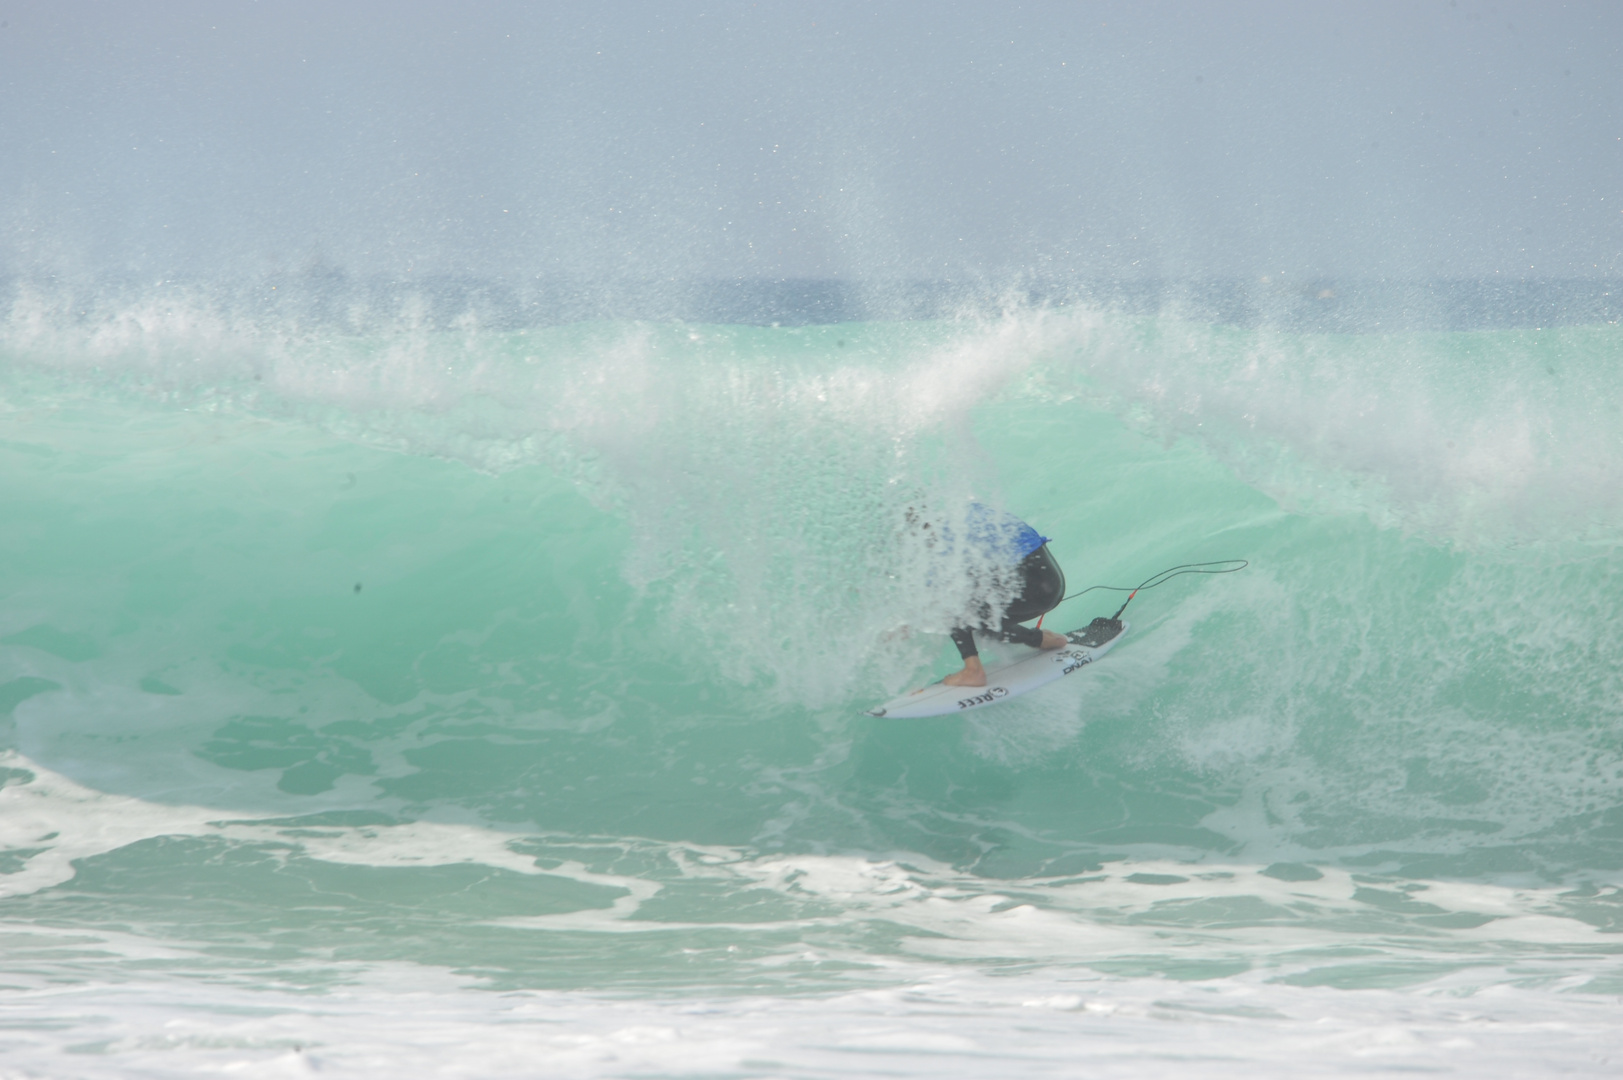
point(1124, 142)
point(455, 493)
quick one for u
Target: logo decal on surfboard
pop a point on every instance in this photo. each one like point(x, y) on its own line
point(1073, 661)
point(984, 699)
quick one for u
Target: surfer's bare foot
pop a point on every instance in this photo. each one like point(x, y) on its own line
point(1052, 641)
point(972, 675)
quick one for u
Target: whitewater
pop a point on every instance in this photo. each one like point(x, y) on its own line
point(399, 689)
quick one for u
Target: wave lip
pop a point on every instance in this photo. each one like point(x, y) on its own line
point(448, 659)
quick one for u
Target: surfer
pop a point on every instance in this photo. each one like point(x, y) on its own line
point(1006, 543)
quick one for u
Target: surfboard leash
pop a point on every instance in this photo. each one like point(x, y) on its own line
point(1227, 567)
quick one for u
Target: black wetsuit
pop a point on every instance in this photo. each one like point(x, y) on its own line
point(1042, 587)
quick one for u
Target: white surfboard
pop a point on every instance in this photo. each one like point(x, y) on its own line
point(1004, 681)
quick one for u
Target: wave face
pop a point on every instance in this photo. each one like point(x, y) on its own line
point(459, 658)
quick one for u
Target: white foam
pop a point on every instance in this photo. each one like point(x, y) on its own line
point(1471, 439)
point(70, 822)
point(925, 970)
point(1137, 908)
point(942, 1024)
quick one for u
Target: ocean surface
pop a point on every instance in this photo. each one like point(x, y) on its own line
point(392, 689)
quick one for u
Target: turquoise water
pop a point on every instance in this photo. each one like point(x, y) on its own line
point(390, 692)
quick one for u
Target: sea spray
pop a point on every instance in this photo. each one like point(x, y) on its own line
point(535, 659)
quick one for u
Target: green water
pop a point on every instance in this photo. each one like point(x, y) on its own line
point(542, 657)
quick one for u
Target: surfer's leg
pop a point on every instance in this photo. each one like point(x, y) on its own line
point(1042, 587)
point(973, 674)
point(1029, 635)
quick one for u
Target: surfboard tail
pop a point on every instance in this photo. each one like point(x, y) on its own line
point(1097, 632)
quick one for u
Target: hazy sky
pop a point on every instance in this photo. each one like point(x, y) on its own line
point(1405, 139)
